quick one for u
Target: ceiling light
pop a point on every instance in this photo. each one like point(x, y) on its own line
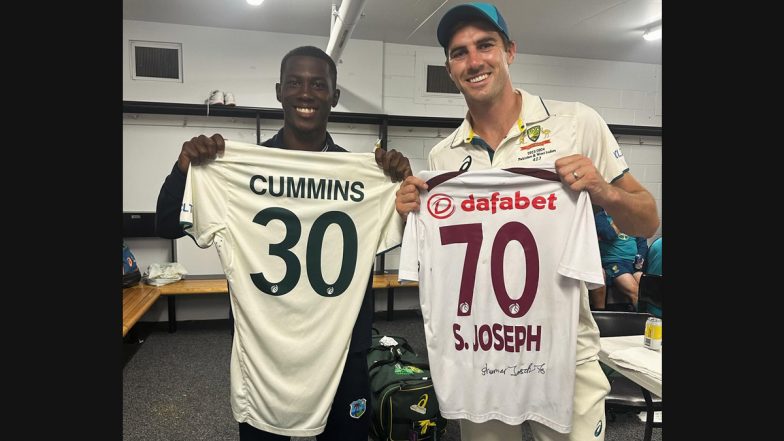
point(255, 2)
point(654, 33)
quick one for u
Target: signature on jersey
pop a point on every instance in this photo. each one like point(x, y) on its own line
point(514, 370)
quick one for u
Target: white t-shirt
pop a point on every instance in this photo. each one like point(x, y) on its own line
point(296, 233)
point(500, 255)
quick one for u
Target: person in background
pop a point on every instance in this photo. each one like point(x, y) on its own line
point(653, 263)
point(622, 256)
point(307, 92)
point(508, 127)
point(597, 298)
point(653, 267)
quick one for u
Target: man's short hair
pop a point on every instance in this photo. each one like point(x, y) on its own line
point(311, 51)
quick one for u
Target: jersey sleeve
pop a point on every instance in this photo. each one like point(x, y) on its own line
point(581, 259)
point(392, 227)
point(408, 268)
point(203, 207)
point(600, 145)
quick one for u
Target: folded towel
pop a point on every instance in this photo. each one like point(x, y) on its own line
point(160, 274)
point(639, 359)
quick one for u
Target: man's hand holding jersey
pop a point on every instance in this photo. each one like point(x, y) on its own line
point(199, 150)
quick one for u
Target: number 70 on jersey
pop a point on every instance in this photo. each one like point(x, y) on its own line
point(471, 235)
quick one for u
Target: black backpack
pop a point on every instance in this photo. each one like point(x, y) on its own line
point(403, 402)
point(131, 274)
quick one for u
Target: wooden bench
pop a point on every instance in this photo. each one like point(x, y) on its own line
point(188, 287)
point(221, 286)
point(389, 281)
point(136, 301)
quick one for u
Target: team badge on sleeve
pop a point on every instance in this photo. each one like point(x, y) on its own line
point(357, 408)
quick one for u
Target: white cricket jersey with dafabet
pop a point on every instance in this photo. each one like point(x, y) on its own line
point(297, 234)
point(500, 256)
point(545, 131)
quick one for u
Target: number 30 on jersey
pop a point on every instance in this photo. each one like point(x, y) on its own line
point(282, 249)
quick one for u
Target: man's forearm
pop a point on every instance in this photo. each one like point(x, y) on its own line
point(167, 212)
point(633, 212)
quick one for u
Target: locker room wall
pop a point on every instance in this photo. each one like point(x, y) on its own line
point(374, 77)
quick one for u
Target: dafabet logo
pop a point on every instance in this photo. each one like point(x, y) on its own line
point(440, 206)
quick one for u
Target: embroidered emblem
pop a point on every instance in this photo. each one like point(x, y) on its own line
point(426, 424)
point(421, 406)
point(357, 408)
point(406, 370)
point(533, 133)
point(418, 409)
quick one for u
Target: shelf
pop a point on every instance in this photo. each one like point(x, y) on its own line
point(341, 117)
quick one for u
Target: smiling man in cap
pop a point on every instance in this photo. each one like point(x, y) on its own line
point(507, 127)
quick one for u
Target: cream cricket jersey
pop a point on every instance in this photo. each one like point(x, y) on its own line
point(545, 131)
point(500, 256)
point(296, 233)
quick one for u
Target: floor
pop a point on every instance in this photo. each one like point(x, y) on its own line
point(176, 386)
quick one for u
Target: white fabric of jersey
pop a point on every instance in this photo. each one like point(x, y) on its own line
point(270, 211)
point(545, 131)
point(501, 355)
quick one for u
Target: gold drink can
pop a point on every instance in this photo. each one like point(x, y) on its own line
point(653, 333)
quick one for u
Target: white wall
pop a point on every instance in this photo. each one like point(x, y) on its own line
point(246, 63)
point(374, 77)
point(623, 93)
point(377, 77)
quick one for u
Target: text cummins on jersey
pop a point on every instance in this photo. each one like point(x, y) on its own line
point(500, 255)
point(297, 234)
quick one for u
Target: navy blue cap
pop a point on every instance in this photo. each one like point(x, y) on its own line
point(469, 11)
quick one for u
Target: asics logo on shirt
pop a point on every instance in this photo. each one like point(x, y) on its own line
point(598, 430)
point(466, 164)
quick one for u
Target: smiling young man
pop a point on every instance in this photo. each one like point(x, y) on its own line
point(510, 128)
point(307, 92)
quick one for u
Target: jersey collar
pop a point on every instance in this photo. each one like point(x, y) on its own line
point(277, 141)
point(533, 111)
